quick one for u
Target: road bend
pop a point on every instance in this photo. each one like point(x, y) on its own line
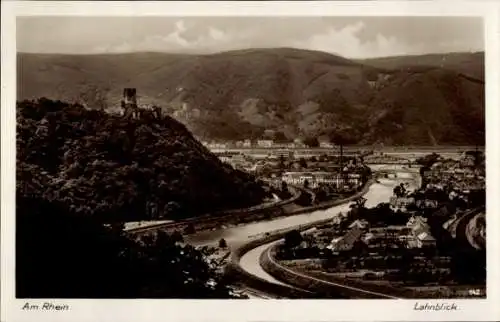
point(237, 235)
point(377, 193)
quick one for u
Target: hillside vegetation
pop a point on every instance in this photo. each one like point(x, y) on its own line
point(96, 164)
point(289, 92)
point(82, 173)
point(471, 64)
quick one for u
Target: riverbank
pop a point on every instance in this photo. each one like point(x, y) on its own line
point(222, 218)
point(251, 227)
point(236, 272)
point(375, 194)
point(310, 276)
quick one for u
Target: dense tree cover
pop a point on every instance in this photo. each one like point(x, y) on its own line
point(283, 193)
point(303, 163)
point(322, 193)
point(311, 141)
point(400, 190)
point(60, 254)
point(305, 199)
point(379, 216)
point(428, 160)
point(280, 137)
point(344, 136)
point(222, 243)
point(81, 173)
point(478, 157)
point(293, 238)
point(123, 169)
point(359, 203)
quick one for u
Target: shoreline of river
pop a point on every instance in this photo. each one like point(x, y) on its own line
point(247, 274)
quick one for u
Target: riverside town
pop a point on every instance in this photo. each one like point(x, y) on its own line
point(248, 173)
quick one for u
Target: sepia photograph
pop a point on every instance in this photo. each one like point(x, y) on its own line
point(250, 158)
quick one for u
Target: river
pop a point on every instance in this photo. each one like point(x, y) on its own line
point(378, 192)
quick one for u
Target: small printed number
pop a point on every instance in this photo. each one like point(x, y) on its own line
point(475, 292)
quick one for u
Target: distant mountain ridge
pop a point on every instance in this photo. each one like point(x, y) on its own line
point(426, 100)
point(470, 64)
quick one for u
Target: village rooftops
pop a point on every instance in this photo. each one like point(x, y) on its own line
point(307, 173)
point(427, 203)
point(347, 241)
point(401, 201)
point(416, 220)
point(425, 236)
point(359, 223)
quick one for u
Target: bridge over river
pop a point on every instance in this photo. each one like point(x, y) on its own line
point(241, 234)
point(399, 172)
point(377, 193)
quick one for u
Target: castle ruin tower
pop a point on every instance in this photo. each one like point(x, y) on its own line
point(129, 101)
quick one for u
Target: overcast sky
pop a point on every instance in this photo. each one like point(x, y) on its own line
point(352, 37)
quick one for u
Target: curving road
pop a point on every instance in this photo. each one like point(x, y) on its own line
point(379, 192)
point(376, 194)
point(250, 262)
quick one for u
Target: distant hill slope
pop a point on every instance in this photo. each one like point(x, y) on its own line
point(293, 93)
point(96, 164)
point(471, 64)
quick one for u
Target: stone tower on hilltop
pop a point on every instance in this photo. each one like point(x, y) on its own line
point(129, 102)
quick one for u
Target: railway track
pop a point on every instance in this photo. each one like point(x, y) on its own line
point(214, 218)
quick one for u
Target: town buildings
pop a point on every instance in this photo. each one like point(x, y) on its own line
point(325, 144)
point(247, 143)
point(426, 203)
point(458, 175)
point(360, 223)
point(347, 241)
point(420, 235)
point(265, 143)
point(415, 234)
point(315, 179)
point(285, 153)
point(217, 145)
point(401, 203)
point(298, 143)
point(186, 112)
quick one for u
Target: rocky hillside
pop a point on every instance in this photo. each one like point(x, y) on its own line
point(91, 163)
point(288, 92)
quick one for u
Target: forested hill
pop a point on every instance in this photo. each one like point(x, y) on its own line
point(78, 169)
point(96, 164)
point(281, 93)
